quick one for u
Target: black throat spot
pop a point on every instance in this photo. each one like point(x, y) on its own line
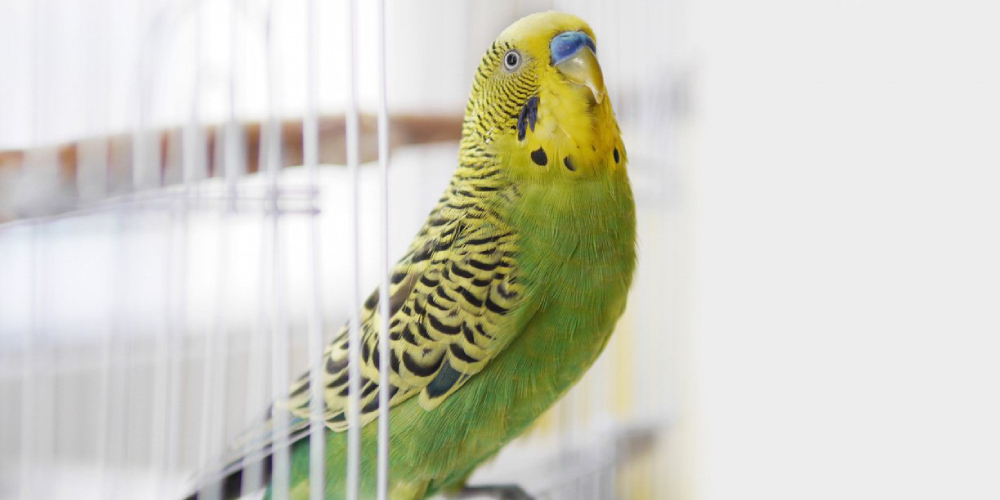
point(539, 157)
point(527, 118)
point(569, 164)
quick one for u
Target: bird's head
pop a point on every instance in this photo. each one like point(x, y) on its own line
point(539, 102)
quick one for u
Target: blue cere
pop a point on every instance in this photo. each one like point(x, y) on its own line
point(565, 45)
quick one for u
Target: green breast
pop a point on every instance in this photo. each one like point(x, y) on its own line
point(576, 257)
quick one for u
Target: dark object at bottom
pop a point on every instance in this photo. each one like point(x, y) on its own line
point(497, 491)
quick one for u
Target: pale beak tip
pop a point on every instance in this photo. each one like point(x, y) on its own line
point(582, 68)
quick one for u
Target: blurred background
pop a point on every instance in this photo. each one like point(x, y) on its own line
point(817, 307)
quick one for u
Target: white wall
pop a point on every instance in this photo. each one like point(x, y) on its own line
point(848, 231)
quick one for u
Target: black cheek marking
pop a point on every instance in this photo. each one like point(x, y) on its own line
point(569, 164)
point(527, 118)
point(616, 155)
point(538, 156)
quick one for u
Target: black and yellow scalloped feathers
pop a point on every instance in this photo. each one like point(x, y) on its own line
point(449, 297)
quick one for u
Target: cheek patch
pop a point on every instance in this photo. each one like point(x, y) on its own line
point(527, 118)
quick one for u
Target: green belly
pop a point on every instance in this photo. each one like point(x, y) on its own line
point(440, 448)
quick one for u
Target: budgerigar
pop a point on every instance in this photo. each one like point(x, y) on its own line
point(508, 293)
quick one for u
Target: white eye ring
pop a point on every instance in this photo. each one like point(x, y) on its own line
point(512, 60)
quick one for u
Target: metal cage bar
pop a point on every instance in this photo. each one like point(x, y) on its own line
point(310, 154)
point(354, 326)
point(384, 264)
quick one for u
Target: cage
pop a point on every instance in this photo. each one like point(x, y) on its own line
point(198, 194)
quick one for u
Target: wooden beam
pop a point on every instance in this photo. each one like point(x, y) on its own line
point(403, 130)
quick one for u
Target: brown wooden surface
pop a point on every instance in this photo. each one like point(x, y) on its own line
point(404, 130)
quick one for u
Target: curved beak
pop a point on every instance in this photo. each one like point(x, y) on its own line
point(574, 55)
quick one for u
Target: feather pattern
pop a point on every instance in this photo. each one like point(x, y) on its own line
point(449, 296)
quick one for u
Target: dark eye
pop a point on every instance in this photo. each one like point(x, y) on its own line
point(512, 60)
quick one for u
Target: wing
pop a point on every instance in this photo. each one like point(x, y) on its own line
point(451, 300)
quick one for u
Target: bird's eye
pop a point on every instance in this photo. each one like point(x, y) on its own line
point(512, 60)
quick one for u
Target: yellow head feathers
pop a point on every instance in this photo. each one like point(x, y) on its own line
point(539, 105)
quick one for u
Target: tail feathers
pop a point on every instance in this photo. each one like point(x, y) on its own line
point(252, 471)
point(249, 460)
point(237, 480)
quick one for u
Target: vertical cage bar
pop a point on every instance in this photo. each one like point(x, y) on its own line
point(162, 364)
point(354, 333)
point(30, 445)
point(279, 334)
point(215, 368)
point(384, 381)
point(99, 156)
point(29, 399)
point(161, 377)
point(193, 168)
point(144, 174)
point(257, 377)
point(92, 183)
point(29, 440)
point(105, 398)
point(310, 156)
point(8, 377)
point(141, 155)
point(115, 416)
point(176, 325)
point(92, 170)
point(214, 404)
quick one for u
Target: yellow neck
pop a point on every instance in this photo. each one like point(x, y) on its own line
point(579, 139)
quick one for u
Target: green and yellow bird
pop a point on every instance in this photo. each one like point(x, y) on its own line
point(510, 290)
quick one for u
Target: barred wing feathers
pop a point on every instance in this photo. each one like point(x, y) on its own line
point(449, 299)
